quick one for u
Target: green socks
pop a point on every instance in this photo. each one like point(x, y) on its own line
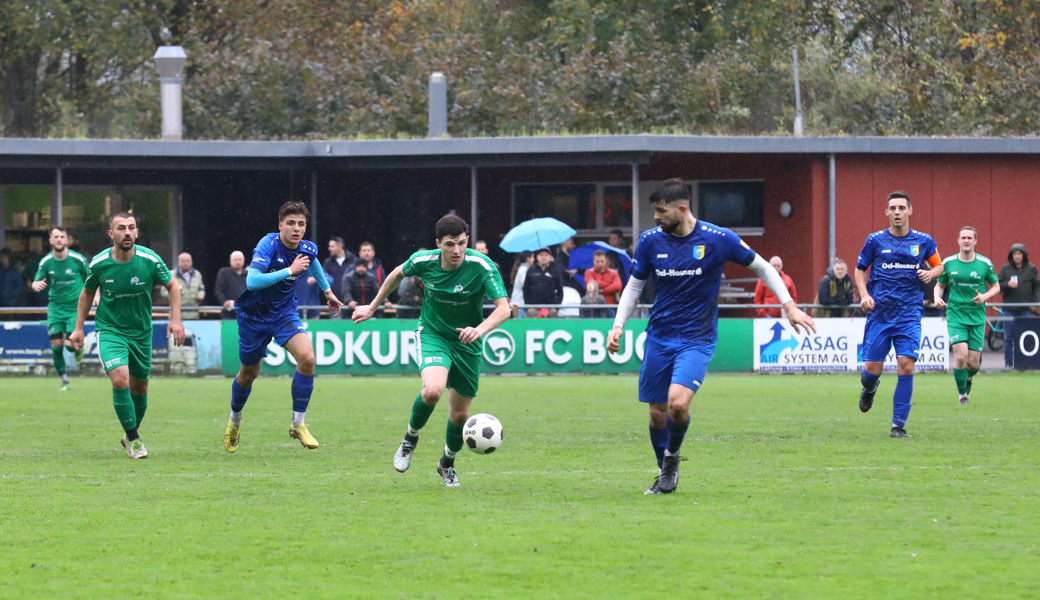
point(124, 409)
point(140, 405)
point(972, 372)
point(420, 413)
point(961, 377)
point(59, 359)
point(453, 438)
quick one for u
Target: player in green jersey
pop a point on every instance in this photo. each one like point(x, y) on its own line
point(968, 276)
point(451, 323)
point(62, 270)
point(125, 275)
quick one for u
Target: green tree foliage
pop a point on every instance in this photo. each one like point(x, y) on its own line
point(297, 69)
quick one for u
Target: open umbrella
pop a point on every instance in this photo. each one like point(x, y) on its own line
point(535, 234)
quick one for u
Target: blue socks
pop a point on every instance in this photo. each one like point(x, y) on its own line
point(302, 387)
point(901, 400)
point(869, 380)
point(676, 433)
point(239, 395)
point(659, 440)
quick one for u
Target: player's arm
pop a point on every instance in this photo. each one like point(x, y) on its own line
point(865, 302)
point(993, 290)
point(775, 283)
point(937, 294)
point(175, 327)
point(318, 273)
point(927, 275)
point(627, 304)
point(498, 316)
point(40, 280)
point(364, 313)
point(82, 310)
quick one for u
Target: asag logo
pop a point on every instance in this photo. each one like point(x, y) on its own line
point(769, 352)
point(499, 347)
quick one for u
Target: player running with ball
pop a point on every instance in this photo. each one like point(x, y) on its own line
point(685, 256)
point(268, 310)
point(125, 275)
point(901, 261)
point(456, 281)
point(967, 274)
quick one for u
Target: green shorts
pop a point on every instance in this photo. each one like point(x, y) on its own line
point(462, 363)
point(60, 323)
point(119, 351)
point(960, 333)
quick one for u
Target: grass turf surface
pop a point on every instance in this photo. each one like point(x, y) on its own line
point(788, 492)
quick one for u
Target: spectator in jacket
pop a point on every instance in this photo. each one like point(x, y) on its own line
point(607, 279)
point(482, 247)
point(340, 261)
point(543, 285)
point(367, 252)
point(1018, 283)
point(411, 295)
point(520, 267)
point(563, 263)
point(836, 290)
point(617, 240)
point(764, 296)
point(193, 290)
point(592, 297)
point(10, 280)
point(231, 282)
point(360, 285)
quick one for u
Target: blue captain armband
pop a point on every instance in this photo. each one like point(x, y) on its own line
point(318, 273)
point(255, 280)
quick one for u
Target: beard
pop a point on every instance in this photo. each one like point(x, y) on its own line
point(668, 228)
point(127, 243)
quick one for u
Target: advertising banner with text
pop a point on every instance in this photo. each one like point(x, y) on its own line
point(837, 346)
point(387, 346)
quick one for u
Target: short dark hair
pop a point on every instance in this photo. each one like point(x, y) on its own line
point(602, 253)
point(366, 243)
point(293, 207)
point(899, 194)
point(452, 225)
point(120, 215)
point(617, 232)
point(481, 242)
point(362, 262)
point(60, 228)
point(673, 190)
point(336, 239)
point(526, 254)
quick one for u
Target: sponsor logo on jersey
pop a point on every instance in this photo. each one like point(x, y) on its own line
point(432, 359)
point(915, 250)
point(459, 289)
point(675, 273)
point(662, 256)
point(698, 252)
point(110, 281)
point(898, 266)
point(886, 251)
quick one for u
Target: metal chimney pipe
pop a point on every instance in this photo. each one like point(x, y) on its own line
point(169, 61)
point(438, 106)
point(799, 124)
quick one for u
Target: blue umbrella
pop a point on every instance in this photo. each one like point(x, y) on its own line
point(535, 234)
point(581, 258)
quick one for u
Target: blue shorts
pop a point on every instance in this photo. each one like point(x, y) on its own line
point(253, 336)
point(667, 362)
point(878, 339)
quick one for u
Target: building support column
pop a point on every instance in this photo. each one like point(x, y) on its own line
point(832, 225)
point(474, 209)
point(314, 206)
point(635, 205)
point(56, 219)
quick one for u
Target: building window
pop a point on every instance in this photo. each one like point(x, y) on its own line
point(617, 206)
point(574, 204)
point(732, 204)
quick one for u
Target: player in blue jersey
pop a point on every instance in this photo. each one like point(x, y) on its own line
point(267, 310)
point(901, 262)
point(685, 256)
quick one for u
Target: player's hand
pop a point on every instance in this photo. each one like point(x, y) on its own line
point(175, 329)
point(614, 339)
point(924, 275)
point(333, 302)
point(867, 303)
point(39, 286)
point(468, 335)
point(361, 313)
point(797, 318)
point(939, 303)
point(299, 265)
point(978, 299)
point(76, 339)
point(230, 304)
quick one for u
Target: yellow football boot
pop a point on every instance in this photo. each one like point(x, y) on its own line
point(231, 437)
point(300, 432)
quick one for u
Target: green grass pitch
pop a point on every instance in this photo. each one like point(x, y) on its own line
point(788, 492)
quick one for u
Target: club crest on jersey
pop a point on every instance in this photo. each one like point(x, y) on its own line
point(459, 289)
point(135, 281)
point(915, 250)
point(698, 251)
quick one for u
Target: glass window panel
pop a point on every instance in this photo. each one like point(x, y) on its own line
point(574, 204)
point(617, 206)
point(152, 210)
point(27, 220)
point(731, 203)
point(85, 214)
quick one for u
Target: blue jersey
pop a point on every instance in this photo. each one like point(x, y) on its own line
point(893, 261)
point(687, 273)
point(277, 302)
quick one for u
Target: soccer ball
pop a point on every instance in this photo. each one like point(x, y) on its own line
point(482, 433)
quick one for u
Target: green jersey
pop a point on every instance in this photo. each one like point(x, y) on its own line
point(64, 280)
point(125, 308)
point(965, 280)
point(454, 299)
